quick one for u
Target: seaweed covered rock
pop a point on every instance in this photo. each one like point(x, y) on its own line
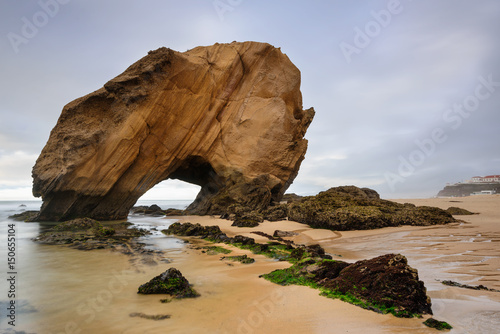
point(275, 213)
point(453, 210)
point(189, 229)
point(170, 282)
point(437, 324)
point(87, 234)
point(80, 229)
point(25, 216)
point(353, 208)
point(386, 284)
point(387, 281)
point(248, 219)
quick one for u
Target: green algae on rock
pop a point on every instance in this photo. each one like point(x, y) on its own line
point(456, 211)
point(439, 325)
point(170, 282)
point(353, 208)
point(385, 284)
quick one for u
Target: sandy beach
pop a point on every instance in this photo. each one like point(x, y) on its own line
point(466, 252)
point(97, 290)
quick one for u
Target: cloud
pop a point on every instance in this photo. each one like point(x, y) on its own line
point(368, 112)
point(15, 168)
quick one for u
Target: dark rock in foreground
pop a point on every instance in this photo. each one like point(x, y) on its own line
point(439, 325)
point(385, 284)
point(352, 208)
point(386, 280)
point(170, 282)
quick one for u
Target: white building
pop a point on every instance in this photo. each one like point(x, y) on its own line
point(485, 179)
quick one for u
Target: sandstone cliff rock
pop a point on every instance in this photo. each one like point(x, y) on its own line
point(227, 117)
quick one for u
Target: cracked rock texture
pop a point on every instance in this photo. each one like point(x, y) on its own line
point(227, 117)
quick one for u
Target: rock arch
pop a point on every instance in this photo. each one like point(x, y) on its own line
point(227, 117)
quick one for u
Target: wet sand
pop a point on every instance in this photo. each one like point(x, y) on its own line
point(96, 291)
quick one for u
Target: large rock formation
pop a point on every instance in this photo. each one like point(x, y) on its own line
point(352, 208)
point(227, 117)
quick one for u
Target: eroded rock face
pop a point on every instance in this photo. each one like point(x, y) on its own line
point(227, 117)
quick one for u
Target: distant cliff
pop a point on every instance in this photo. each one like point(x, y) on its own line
point(465, 189)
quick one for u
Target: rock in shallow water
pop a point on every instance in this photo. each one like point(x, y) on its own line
point(170, 282)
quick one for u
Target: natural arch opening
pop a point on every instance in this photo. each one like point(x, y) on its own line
point(222, 126)
point(171, 190)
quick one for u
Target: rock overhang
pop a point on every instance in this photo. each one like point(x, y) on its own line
point(227, 117)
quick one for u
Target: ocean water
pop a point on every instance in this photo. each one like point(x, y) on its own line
point(39, 272)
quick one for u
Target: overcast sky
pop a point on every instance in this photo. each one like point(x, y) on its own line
point(406, 93)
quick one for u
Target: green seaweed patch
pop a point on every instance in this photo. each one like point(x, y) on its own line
point(288, 276)
point(272, 250)
point(170, 282)
point(297, 274)
point(368, 305)
point(102, 231)
point(439, 325)
point(239, 258)
point(214, 250)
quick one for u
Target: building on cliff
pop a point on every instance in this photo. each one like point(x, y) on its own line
point(477, 185)
point(485, 179)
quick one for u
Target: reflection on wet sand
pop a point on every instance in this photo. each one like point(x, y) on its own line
point(72, 291)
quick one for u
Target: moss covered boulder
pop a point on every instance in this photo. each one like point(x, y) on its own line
point(385, 284)
point(353, 208)
point(189, 229)
point(387, 281)
point(88, 234)
point(170, 282)
point(456, 211)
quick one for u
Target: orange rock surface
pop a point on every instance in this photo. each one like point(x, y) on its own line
point(227, 117)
